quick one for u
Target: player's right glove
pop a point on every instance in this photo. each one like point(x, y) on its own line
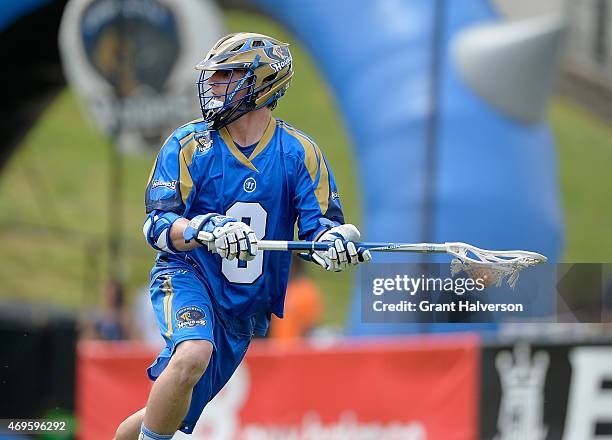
point(223, 235)
point(342, 250)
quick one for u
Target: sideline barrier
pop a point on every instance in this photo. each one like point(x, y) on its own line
point(560, 390)
point(431, 387)
point(422, 388)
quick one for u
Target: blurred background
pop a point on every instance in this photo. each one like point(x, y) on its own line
point(483, 121)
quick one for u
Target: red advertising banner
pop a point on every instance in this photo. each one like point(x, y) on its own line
point(423, 388)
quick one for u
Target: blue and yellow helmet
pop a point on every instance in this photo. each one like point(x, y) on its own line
point(268, 69)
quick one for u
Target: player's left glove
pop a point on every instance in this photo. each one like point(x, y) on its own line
point(223, 235)
point(342, 251)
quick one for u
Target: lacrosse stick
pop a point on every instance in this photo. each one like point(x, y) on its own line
point(469, 259)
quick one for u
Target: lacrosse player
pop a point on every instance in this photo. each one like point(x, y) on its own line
point(218, 185)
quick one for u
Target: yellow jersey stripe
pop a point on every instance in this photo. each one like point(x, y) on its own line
point(185, 140)
point(188, 150)
point(166, 295)
point(261, 145)
point(185, 159)
point(189, 144)
point(313, 159)
point(227, 138)
point(323, 190)
point(169, 308)
point(265, 139)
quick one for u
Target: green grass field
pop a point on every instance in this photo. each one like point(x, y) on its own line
point(585, 160)
point(54, 198)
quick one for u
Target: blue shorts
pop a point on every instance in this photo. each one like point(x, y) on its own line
point(184, 310)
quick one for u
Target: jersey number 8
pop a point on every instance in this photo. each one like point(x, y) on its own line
point(254, 215)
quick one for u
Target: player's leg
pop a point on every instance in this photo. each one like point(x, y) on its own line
point(184, 314)
point(130, 427)
point(232, 338)
point(170, 396)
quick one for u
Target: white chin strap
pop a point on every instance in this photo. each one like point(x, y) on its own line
point(214, 104)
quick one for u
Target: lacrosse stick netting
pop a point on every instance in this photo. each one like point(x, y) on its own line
point(498, 265)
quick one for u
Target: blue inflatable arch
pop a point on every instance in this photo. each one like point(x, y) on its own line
point(438, 160)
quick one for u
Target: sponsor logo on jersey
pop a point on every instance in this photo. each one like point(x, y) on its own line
point(190, 317)
point(157, 183)
point(335, 195)
point(249, 185)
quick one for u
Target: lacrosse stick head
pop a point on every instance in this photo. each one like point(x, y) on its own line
point(491, 266)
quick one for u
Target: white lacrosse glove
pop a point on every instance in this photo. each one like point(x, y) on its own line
point(342, 251)
point(223, 235)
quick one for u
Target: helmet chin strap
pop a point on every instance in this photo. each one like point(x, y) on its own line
point(213, 104)
point(248, 75)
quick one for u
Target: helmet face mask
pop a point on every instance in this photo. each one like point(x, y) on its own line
point(224, 101)
point(242, 72)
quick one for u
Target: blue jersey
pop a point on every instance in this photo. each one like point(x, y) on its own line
point(285, 179)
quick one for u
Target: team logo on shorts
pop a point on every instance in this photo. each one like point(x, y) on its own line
point(190, 317)
point(249, 185)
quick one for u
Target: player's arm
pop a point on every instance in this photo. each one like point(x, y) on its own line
point(316, 196)
point(320, 213)
point(170, 192)
point(161, 230)
point(223, 235)
point(177, 236)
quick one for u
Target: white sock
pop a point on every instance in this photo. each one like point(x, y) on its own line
point(147, 434)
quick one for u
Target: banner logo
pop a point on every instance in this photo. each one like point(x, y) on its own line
point(131, 62)
point(521, 411)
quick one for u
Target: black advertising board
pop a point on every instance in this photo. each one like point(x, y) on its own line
point(560, 391)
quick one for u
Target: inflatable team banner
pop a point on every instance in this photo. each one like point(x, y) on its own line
point(131, 62)
point(445, 104)
point(435, 387)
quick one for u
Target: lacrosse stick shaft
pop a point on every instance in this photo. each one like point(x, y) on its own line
point(279, 245)
point(457, 249)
